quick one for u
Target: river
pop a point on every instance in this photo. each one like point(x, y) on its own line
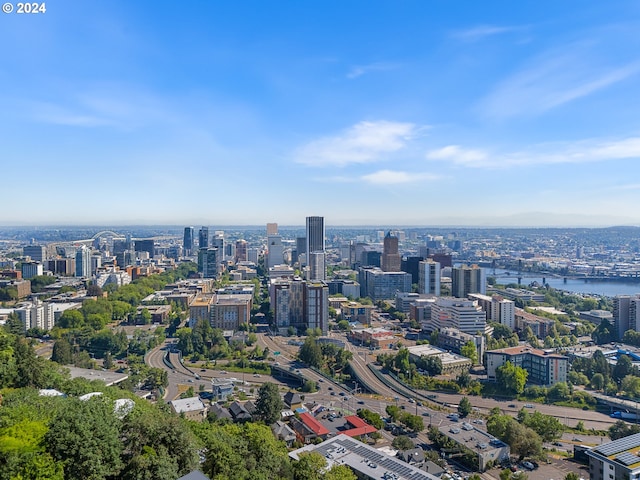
point(573, 285)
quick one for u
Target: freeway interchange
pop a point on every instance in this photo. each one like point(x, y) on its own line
point(385, 390)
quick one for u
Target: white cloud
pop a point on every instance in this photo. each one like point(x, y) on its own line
point(359, 70)
point(554, 79)
point(482, 31)
point(390, 177)
point(586, 151)
point(458, 155)
point(364, 142)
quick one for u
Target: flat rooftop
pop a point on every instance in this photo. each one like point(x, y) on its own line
point(363, 459)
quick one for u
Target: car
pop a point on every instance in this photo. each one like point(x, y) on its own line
point(419, 404)
point(512, 405)
point(576, 439)
point(360, 402)
point(333, 393)
point(411, 400)
point(190, 380)
point(342, 394)
point(330, 388)
point(203, 369)
point(403, 407)
point(257, 375)
point(426, 414)
point(528, 465)
point(528, 405)
point(557, 444)
point(224, 372)
point(321, 380)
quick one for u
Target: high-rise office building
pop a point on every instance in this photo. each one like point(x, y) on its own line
point(429, 277)
point(36, 252)
point(203, 237)
point(301, 246)
point(83, 262)
point(241, 251)
point(145, 246)
point(317, 266)
point(411, 265)
point(468, 279)
point(188, 240)
point(272, 229)
point(218, 242)
point(390, 257)
point(208, 260)
point(315, 235)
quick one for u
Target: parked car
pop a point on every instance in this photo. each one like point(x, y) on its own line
point(528, 465)
point(528, 405)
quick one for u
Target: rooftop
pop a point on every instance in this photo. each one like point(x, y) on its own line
point(363, 459)
point(192, 404)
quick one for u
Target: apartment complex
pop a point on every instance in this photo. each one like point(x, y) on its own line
point(615, 460)
point(545, 368)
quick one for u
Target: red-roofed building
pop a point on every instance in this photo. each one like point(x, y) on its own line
point(307, 428)
point(358, 426)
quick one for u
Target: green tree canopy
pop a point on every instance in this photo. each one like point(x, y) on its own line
point(269, 403)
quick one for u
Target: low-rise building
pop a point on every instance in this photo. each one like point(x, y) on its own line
point(619, 459)
point(365, 461)
point(307, 428)
point(451, 363)
point(374, 337)
point(192, 408)
point(488, 449)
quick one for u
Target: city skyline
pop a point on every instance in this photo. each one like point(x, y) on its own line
point(364, 113)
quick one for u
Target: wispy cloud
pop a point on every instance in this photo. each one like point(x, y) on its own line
point(569, 152)
point(391, 177)
point(482, 31)
point(364, 142)
point(359, 70)
point(554, 79)
point(383, 177)
point(100, 106)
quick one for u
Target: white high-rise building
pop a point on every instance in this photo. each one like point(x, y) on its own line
point(429, 277)
point(465, 315)
point(275, 251)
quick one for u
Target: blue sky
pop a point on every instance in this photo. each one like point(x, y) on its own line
point(365, 112)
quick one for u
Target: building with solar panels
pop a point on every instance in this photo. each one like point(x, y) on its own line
point(365, 461)
point(617, 459)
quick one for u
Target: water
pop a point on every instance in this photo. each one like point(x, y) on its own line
point(573, 285)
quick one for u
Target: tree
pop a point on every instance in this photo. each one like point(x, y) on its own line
point(465, 407)
point(511, 378)
point(572, 476)
point(469, 350)
point(71, 319)
point(85, 437)
point(597, 381)
point(624, 367)
point(269, 403)
point(14, 325)
point(62, 353)
point(311, 353)
point(621, 429)
point(402, 442)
